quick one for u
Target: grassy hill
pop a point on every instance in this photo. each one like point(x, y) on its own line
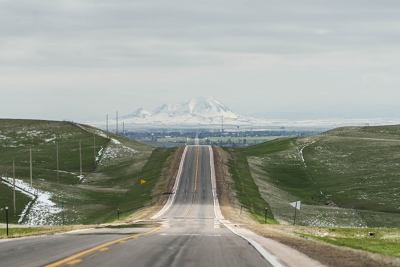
point(112, 168)
point(344, 177)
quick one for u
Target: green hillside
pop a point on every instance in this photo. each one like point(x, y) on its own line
point(112, 168)
point(349, 176)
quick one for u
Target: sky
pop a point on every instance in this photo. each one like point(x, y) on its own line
point(81, 60)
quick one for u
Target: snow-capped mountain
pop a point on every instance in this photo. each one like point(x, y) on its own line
point(139, 113)
point(198, 112)
point(207, 112)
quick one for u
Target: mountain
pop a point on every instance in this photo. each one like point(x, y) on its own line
point(196, 112)
point(207, 112)
point(139, 113)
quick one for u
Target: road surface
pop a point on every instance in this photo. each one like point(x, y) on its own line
point(191, 234)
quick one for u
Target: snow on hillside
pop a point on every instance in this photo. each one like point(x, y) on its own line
point(42, 210)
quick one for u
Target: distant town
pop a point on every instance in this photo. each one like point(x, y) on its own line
point(164, 138)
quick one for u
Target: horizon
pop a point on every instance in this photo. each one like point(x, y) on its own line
point(270, 120)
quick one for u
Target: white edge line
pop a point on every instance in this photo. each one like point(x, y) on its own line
point(217, 211)
point(171, 198)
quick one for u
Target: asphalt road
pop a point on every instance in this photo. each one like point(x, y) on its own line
point(191, 234)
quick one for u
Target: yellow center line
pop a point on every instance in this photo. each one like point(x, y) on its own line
point(74, 262)
point(197, 169)
point(75, 258)
point(195, 181)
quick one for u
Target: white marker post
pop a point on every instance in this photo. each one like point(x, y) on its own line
point(296, 206)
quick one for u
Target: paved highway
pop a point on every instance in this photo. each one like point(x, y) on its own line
point(191, 234)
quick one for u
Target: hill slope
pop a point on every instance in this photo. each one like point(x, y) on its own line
point(112, 167)
point(344, 177)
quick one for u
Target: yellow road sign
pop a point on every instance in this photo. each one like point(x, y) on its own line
point(142, 181)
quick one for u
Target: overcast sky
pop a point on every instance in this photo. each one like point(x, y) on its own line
point(81, 60)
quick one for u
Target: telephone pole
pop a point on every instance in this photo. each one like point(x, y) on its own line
point(107, 123)
point(30, 163)
point(116, 118)
point(58, 174)
point(94, 147)
point(80, 156)
point(15, 206)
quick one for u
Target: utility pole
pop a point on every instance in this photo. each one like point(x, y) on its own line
point(80, 156)
point(94, 147)
point(58, 174)
point(15, 206)
point(30, 163)
point(107, 123)
point(123, 128)
point(116, 118)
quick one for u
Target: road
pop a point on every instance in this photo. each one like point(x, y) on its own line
point(191, 234)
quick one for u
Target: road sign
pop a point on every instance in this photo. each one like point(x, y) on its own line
point(142, 181)
point(296, 204)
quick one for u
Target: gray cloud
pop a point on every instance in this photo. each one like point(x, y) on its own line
point(253, 55)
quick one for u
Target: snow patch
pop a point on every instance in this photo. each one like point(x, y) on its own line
point(115, 152)
point(43, 211)
point(99, 154)
point(115, 141)
point(50, 139)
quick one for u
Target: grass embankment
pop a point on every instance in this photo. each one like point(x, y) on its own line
point(349, 176)
point(359, 167)
point(377, 240)
point(36, 230)
point(246, 190)
point(111, 182)
point(152, 174)
point(289, 175)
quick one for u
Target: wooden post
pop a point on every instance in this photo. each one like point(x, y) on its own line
point(15, 206)
point(7, 219)
point(80, 157)
point(30, 163)
point(94, 148)
point(116, 126)
point(58, 174)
